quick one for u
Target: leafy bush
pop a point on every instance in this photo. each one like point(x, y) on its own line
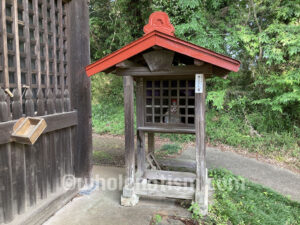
point(108, 118)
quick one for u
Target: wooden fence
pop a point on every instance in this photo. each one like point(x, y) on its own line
point(28, 174)
point(44, 46)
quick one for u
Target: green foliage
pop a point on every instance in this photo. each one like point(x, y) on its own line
point(195, 210)
point(107, 88)
point(263, 97)
point(108, 118)
point(157, 219)
point(248, 203)
point(99, 156)
point(265, 36)
point(113, 24)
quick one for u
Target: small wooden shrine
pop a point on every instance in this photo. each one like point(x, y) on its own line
point(170, 79)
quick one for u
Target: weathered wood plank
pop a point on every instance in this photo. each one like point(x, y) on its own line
point(16, 44)
point(159, 60)
point(129, 129)
point(52, 162)
point(140, 116)
point(6, 174)
point(4, 44)
point(68, 137)
point(174, 129)
point(60, 121)
point(54, 46)
point(127, 64)
point(54, 122)
point(30, 155)
point(170, 176)
point(186, 164)
point(175, 70)
point(60, 149)
point(151, 143)
point(200, 146)
point(166, 191)
point(45, 40)
point(20, 165)
point(41, 151)
point(48, 207)
point(78, 33)
point(5, 166)
point(52, 147)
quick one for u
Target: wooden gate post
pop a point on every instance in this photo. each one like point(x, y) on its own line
point(201, 192)
point(78, 19)
point(129, 198)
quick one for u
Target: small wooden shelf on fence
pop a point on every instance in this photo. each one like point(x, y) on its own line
point(28, 130)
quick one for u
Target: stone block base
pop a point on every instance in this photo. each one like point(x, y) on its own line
point(129, 201)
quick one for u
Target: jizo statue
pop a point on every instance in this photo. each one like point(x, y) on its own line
point(174, 113)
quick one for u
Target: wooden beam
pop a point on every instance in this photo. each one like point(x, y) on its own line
point(175, 70)
point(198, 62)
point(200, 143)
point(171, 129)
point(79, 53)
point(16, 44)
point(182, 164)
point(54, 122)
point(156, 190)
point(129, 130)
point(170, 176)
point(127, 64)
point(218, 71)
point(4, 45)
point(159, 60)
point(140, 116)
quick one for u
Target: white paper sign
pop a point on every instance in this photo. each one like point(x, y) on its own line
point(199, 83)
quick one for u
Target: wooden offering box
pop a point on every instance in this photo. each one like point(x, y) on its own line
point(28, 130)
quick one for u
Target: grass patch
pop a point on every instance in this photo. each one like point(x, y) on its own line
point(108, 118)
point(99, 156)
point(169, 149)
point(239, 201)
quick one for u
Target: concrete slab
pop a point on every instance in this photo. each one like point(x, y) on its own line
point(102, 206)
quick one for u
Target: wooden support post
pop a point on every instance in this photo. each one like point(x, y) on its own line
point(141, 156)
point(78, 17)
point(151, 143)
point(129, 198)
point(129, 129)
point(201, 193)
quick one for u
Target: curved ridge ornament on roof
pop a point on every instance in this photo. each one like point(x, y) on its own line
point(160, 32)
point(159, 21)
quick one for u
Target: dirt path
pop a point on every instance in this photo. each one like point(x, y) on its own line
point(109, 150)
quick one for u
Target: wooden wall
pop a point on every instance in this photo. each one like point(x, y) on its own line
point(44, 46)
point(28, 174)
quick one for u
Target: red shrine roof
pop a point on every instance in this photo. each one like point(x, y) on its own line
point(160, 32)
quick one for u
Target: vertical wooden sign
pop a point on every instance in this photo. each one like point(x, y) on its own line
point(199, 83)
